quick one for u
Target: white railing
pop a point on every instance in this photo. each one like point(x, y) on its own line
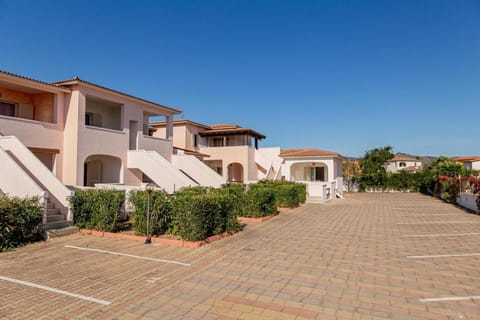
point(161, 146)
point(468, 201)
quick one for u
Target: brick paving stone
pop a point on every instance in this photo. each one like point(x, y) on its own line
point(346, 259)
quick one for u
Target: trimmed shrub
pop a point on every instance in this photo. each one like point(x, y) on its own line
point(260, 201)
point(235, 193)
point(20, 221)
point(289, 194)
point(97, 209)
point(160, 212)
point(200, 216)
point(192, 191)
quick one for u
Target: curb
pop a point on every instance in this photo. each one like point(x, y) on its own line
point(172, 242)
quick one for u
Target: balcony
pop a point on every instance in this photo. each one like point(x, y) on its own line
point(32, 132)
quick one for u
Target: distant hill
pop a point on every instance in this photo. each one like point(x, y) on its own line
point(424, 159)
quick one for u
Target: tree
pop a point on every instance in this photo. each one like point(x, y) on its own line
point(442, 167)
point(372, 165)
point(351, 173)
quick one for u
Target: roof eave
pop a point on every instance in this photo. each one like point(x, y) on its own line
point(37, 84)
point(118, 93)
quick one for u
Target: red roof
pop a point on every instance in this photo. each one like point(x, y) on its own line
point(403, 158)
point(467, 159)
point(308, 153)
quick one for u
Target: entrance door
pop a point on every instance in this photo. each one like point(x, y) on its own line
point(320, 173)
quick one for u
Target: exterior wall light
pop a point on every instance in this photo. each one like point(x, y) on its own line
point(149, 188)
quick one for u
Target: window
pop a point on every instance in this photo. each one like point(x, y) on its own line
point(217, 142)
point(8, 109)
point(93, 119)
point(402, 164)
point(195, 140)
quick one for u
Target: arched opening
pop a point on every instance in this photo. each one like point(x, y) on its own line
point(101, 169)
point(235, 172)
point(310, 171)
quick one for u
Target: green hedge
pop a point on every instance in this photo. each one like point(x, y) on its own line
point(160, 212)
point(97, 209)
point(192, 213)
point(20, 221)
point(200, 216)
point(289, 194)
point(260, 201)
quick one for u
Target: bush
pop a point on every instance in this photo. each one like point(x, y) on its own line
point(260, 201)
point(20, 221)
point(160, 212)
point(200, 216)
point(192, 191)
point(235, 193)
point(289, 194)
point(97, 209)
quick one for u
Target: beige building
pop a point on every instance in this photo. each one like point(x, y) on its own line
point(79, 134)
point(399, 163)
point(230, 150)
point(469, 162)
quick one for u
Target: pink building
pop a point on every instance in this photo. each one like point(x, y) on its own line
point(230, 150)
point(77, 133)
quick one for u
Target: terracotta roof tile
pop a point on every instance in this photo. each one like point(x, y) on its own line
point(307, 153)
point(467, 159)
point(231, 131)
point(77, 80)
point(410, 168)
point(58, 87)
point(403, 158)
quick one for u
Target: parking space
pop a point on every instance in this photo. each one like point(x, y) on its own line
point(370, 256)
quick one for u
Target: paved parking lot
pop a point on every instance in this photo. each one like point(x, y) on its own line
point(369, 256)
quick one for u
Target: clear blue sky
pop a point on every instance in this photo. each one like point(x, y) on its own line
point(345, 76)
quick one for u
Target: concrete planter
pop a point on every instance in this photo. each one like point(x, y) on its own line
point(164, 240)
point(255, 220)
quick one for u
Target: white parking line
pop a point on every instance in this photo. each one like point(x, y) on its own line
point(426, 215)
point(436, 222)
point(129, 255)
point(445, 256)
point(440, 235)
point(447, 299)
point(66, 293)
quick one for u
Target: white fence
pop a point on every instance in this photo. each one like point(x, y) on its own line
point(468, 201)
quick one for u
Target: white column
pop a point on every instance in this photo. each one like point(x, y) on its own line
point(169, 128)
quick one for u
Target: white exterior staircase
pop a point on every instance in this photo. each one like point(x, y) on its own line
point(24, 175)
point(197, 170)
point(159, 170)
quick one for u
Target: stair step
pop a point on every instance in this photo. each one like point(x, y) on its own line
point(55, 217)
point(53, 233)
point(57, 225)
point(52, 212)
point(50, 205)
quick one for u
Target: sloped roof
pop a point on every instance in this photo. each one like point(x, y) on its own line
point(178, 122)
point(77, 80)
point(192, 152)
point(232, 131)
point(467, 159)
point(410, 168)
point(46, 84)
point(403, 158)
point(307, 153)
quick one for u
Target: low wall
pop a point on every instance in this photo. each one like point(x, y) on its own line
point(468, 201)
